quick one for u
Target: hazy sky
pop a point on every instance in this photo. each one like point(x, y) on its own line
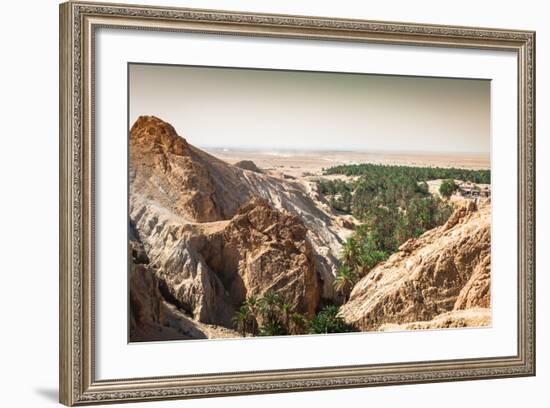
point(269, 109)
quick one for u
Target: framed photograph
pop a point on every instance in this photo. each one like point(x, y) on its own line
point(256, 203)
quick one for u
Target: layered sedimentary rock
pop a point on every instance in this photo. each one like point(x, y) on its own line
point(445, 269)
point(152, 316)
point(209, 234)
point(174, 186)
point(167, 172)
point(269, 251)
point(209, 269)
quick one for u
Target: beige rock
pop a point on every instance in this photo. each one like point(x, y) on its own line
point(248, 165)
point(174, 186)
point(152, 317)
point(477, 292)
point(270, 250)
point(213, 267)
point(476, 317)
point(164, 169)
point(207, 269)
point(446, 266)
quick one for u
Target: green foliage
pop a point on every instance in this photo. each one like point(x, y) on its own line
point(382, 222)
point(394, 204)
point(269, 306)
point(299, 323)
point(369, 254)
point(286, 311)
point(422, 214)
point(242, 319)
point(350, 249)
point(253, 305)
point(279, 318)
point(270, 309)
point(272, 329)
point(423, 187)
point(345, 280)
point(338, 192)
point(328, 321)
point(447, 188)
point(418, 173)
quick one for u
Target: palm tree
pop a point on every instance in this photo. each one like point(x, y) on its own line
point(368, 258)
point(251, 302)
point(349, 252)
point(271, 329)
point(269, 305)
point(344, 281)
point(363, 263)
point(299, 323)
point(286, 310)
point(253, 305)
point(241, 319)
point(329, 320)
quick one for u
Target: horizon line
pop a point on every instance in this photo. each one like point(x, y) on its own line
point(266, 149)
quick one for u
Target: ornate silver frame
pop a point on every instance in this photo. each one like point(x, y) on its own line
point(78, 22)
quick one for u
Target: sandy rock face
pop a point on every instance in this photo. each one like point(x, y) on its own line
point(174, 186)
point(446, 268)
point(152, 133)
point(164, 170)
point(477, 291)
point(205, 245)
point(153, 316)
point(273, 254)
point(208, 270)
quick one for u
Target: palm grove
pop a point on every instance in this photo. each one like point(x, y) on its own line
point(271, 315)
point(392, 205)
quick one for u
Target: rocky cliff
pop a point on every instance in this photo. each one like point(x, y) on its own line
point(212, 233)
point(431, 279)
point(152, 315)
point(180, 184)
point(208, 269)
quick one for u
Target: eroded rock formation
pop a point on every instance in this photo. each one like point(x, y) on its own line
point(211, 234)
point(445, 269)
point(152, 317)
point(212, 267)
point(174, 185)
point(248, 165)
point(477, 291)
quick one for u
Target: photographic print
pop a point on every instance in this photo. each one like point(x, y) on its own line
point(277, 202)
point(261, 188)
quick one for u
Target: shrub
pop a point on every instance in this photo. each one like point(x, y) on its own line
point(447, 188)
point(328, 321)
point(272, 329)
